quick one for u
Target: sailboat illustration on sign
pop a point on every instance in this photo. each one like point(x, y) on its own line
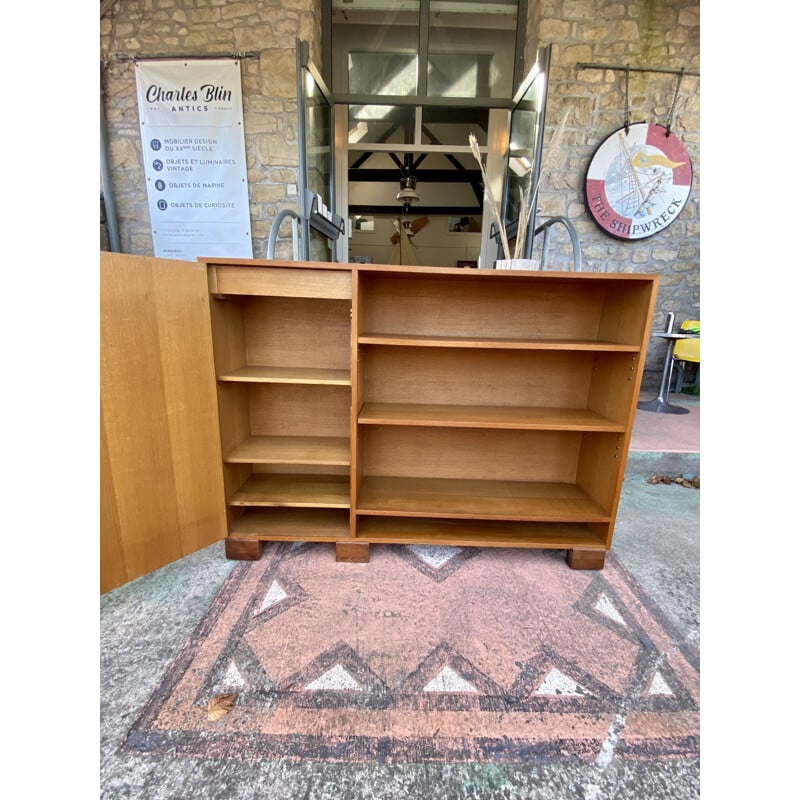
point(638, 181)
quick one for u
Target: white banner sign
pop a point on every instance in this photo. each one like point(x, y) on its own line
point(190, 114)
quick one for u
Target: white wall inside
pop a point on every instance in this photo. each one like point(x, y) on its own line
point(434, 245)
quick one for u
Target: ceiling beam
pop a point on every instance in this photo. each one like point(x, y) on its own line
point(471, 176)
point(416, 211)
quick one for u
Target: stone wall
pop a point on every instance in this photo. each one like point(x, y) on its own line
point(641, 33)
point(189, 27)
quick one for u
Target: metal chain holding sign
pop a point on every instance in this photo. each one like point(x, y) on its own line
point(671, 114)
point(627, 124)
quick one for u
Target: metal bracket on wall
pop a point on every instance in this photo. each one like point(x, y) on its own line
point(628, 68)
point(192, 56)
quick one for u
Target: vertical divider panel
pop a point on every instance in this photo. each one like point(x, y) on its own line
point(355, 400)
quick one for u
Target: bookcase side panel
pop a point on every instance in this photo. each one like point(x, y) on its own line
point(626, 315)
point(228, 336)
point(599, 474)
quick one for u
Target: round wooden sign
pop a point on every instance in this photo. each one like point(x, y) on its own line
point(638, 182)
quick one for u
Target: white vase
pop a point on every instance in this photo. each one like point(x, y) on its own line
point(516, 263)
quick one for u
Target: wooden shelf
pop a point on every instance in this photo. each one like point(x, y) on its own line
point(294, 491)
point(453, 416)
point(472, 533)
point(322, 525)
point(318, 450)
point(408, 340)
point(299, 375)
point(476, 499)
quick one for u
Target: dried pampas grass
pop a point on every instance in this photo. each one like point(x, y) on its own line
point(473, 144)
point(528, 197)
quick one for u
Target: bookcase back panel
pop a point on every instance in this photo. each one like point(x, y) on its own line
point(471, 454)
point(290, 410)
point(301, 469)
point(488, 377)
point(489, 308)
point(295, 332)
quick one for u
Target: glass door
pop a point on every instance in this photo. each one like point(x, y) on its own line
point(524, 157)
point(320, 225)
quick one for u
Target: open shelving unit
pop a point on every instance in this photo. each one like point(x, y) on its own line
point(369, 404)
point(282, 356)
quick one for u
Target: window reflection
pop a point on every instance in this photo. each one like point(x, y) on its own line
point(382, 73)
point(470, 44)
point(471, 48)
point(369, 124)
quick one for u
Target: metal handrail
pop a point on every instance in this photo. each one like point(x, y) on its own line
point(273, 233)
point(577, 255)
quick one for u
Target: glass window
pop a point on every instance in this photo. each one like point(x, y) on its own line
point(471, 48)
point(451, 125)
point(381, 124)
point(382, 73)
point(375, 46)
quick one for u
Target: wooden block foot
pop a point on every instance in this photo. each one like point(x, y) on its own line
point(586, 558)
point(243, 549)
point(352, 552)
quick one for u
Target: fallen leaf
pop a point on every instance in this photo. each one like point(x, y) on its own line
point(694, 483)
point(221, 705)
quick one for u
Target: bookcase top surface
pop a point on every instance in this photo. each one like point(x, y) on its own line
point(460, 272)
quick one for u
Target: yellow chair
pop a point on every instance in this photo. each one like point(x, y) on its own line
point(687, 350)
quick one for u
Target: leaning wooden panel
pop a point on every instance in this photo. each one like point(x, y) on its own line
point(159, 414)
point(113, 571)
point(181, 299)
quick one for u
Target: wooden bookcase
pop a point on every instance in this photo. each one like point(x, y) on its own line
point(364, 404)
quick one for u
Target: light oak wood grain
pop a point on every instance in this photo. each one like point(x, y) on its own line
point(161, 488)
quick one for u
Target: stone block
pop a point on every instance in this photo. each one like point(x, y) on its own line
point(273, 150)
point(238, 10)
point(553, 30)
point(201, 16)
point(267, 193)
point(579, 9)
point(577, 53)
point(279, 73)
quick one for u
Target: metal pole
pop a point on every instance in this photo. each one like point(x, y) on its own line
point(106, 186)
point(188, 56)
